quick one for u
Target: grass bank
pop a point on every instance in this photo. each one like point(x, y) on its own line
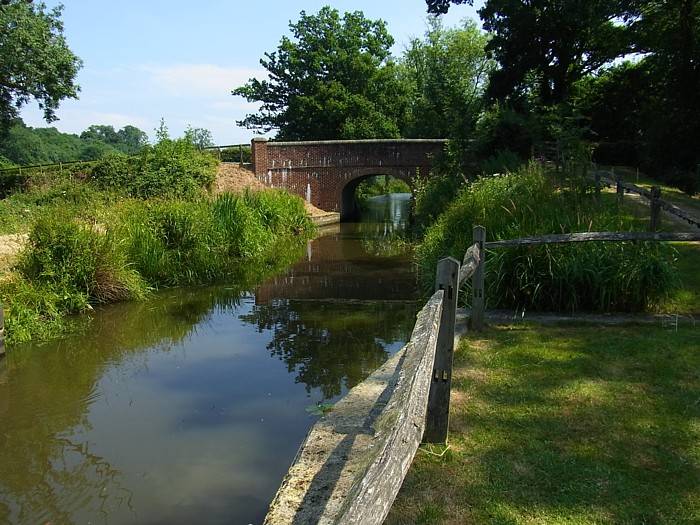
point(120, 227)
point(566, 425)
point(574, 277)
point(70, 265)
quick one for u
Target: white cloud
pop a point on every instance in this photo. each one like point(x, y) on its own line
point(204, 80)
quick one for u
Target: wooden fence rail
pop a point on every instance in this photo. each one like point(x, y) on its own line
point(353, 461)
point(612, 180)
point(596, 236)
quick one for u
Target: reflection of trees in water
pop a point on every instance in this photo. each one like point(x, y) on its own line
point(384, 231)
point(45, 475)
point(331, 345)
point(46, 392)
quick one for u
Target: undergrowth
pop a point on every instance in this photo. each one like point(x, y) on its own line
point(573, 277)
point(71, 264)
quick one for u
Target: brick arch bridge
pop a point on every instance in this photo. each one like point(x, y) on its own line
point(326, 173)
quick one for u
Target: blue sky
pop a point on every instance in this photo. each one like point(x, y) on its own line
point(179, 59)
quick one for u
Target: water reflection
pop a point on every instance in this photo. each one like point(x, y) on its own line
point(192, 405)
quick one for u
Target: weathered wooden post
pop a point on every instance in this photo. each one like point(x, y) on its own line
point(620, 189)
point(655, 208)
point(438, 414)
point(2, 331)
point(478, 299)
point(240, 155)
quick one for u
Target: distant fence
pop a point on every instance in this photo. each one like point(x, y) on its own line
point(613, 180)
point(239, 153)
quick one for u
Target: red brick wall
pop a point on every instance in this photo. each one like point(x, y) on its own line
point(325, 168)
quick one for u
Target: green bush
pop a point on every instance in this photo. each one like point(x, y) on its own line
point(380, 185)
point(82, 264)
point(172, 168)
point(584, 276)
point(433, 195)
point(188, 242)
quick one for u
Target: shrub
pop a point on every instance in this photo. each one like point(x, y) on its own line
point(432, 196)
point(174, 168)
point(585, 276)
point(501, 128)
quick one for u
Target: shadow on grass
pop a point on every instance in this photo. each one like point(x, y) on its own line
point(567, 425)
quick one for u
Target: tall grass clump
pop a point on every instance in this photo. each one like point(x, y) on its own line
point(178, 242)
point(66, 268)
point(582, 276)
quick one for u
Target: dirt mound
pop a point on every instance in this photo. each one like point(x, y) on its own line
point(236, 178)
point(10, 246)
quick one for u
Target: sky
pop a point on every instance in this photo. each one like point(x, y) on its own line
point(144, 60)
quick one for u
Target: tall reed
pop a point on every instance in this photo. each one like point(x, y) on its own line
point(585, 276)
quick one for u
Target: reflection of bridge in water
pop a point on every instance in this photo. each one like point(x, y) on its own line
point(346, 270)
point(370, 264)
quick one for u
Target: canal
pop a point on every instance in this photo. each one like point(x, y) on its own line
point(190, 406)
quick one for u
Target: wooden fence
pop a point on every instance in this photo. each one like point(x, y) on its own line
point(656, 203)
point(353, 461)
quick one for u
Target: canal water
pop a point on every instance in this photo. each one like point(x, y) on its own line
point(190, 407)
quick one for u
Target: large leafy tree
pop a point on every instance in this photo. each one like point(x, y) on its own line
point(546, 46)
point(447, 70)
point(334, 78)
point(35, 61)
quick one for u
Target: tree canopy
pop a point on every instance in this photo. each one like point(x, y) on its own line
point(24, 145)
point(334, 78)
point(36, 62)
point(447, 71)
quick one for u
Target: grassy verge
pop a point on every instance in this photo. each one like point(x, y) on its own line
point(572, 277)
point(685, 297)
point(566, 425)
point(70, 264)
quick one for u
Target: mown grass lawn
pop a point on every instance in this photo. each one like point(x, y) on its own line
point(566, 425)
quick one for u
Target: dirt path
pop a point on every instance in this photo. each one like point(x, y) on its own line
point(10, 246)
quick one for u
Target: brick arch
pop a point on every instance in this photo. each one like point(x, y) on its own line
point(323, 172)
point(346, 194)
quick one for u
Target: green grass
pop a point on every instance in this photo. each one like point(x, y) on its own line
point(71, 264)
point(684, 298)
point(606, 277)
point(566, 425)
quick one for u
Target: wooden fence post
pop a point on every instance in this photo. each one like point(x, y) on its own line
point(2, 332)
point(620, 189)
point(478, 299)
point(655, 208)
point(240, 154)
point(438, 415)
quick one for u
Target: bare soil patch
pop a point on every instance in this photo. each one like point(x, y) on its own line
point(235, 178)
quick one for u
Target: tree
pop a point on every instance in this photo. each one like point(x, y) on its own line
point(200, 137)
point(548, 45)
point(335, 78)
point(129, 139)
point(447, 70)
point(36, 62)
